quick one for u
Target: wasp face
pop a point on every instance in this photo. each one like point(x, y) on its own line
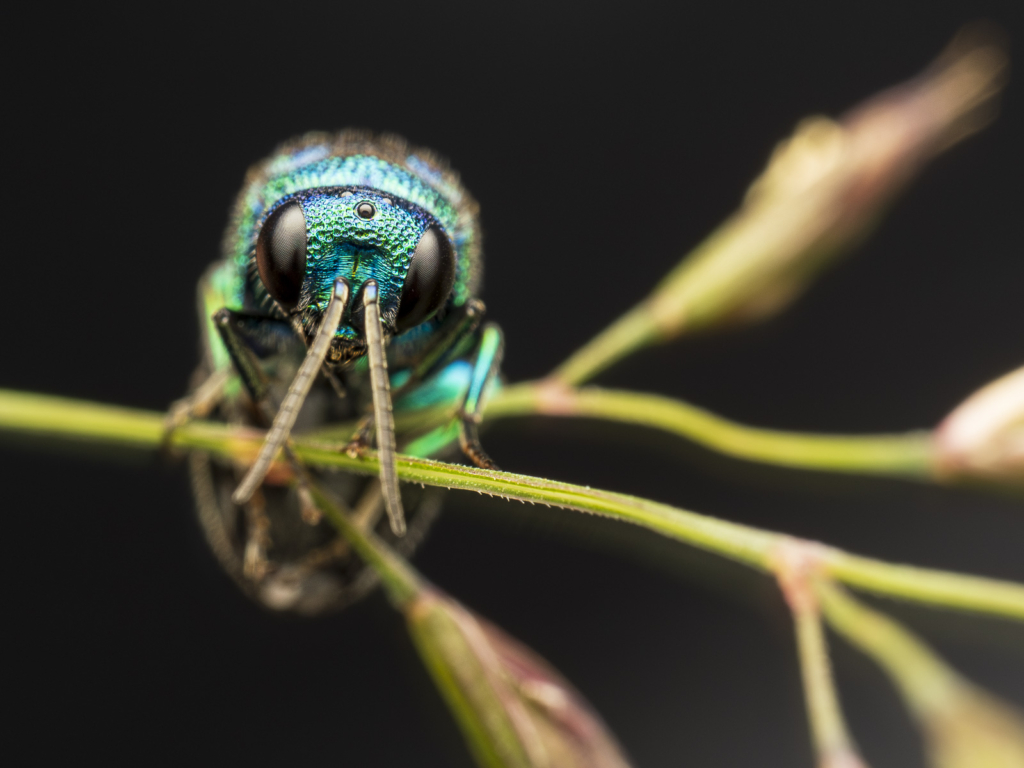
point(313, 238)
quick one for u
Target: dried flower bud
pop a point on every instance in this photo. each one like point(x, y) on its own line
point(842, 759)
point(514, 709)
point(825, 187)
point(823, 190)
point(975, 730)
point(983, 439)
point(963, 726)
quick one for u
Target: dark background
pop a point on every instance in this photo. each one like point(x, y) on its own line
point(601, 143)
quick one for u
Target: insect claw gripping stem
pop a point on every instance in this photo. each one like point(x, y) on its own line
point(360, 440)
point(485, 371)
point(382, 414)
point(469, 442)
point(289, 410)
point(196, 405)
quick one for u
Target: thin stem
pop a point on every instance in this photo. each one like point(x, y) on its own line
point(962, 725)
point(746, 269)
point(67, 418)
point(76, 420)
point(398, 577)
point(795, 569)
point(824, 189)
point(926, 585)
point(828, 727)
point(925, 681)
point(632, 331)
point(905, 455)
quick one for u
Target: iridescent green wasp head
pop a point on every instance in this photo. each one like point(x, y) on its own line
point(352, 267)
point(313, 238)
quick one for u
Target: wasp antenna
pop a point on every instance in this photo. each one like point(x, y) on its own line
point(382, 409)
point(289, 410)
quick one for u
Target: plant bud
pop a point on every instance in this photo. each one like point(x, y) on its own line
point(514, 709)
point(842, 759)
point(963, 727)
point(983, 439)
point(974, 730)
point(824, 189)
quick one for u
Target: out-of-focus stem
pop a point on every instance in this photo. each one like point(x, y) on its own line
point(486, 677)
point(824, 189)
point(964, 727)
point(400, 581)
point(926, 585)
point(632, 331)
point(76, 420)
point(796, 565)
point(904, 455)
point(922, 677)
point(831, 740)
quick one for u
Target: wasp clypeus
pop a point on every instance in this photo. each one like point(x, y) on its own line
point(345, 300)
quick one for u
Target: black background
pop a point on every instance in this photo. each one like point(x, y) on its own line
point(601, 143)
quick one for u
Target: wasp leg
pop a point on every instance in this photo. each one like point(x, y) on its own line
point(255, 564)
point(211, 513)
point(218, 518)
point(485, 370)
point(367, 513)
point(201, 402)
point(449, 343)
point(246, 339)
point(361, 438)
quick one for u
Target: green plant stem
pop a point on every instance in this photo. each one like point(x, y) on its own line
point(748, 268)
point(69, 419)
point(441, 640)
point(632, 331)
point(400, 581)
point(925, 681)
point(905, 455)
point(962, 725)
point(828, 727)
point(746, 256)
point(822, 192)
point(925, 585)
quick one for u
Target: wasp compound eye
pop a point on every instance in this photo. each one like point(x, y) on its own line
point(429, 280)
point(366, 210)
point(281, 254)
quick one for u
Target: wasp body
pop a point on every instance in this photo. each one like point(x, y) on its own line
point(349, 278)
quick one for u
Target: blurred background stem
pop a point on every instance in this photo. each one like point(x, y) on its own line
point(795, 569)
point(823, 191)
point(903, 455)
point(963, 726)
